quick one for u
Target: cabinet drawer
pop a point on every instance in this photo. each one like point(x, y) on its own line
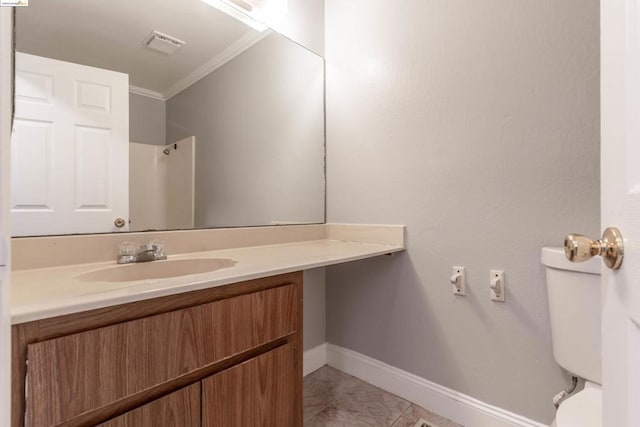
point(78, 373)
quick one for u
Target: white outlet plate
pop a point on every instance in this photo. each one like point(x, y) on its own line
point(497, 274)
point(461, 289)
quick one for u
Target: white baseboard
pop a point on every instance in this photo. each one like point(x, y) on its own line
point(314, 359)
point(451, 404)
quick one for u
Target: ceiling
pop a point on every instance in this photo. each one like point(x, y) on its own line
point(109, 34)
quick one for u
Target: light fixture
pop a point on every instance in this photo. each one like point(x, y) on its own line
point(258, 14)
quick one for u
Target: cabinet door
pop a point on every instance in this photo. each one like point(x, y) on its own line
point(79, 373)
point(178, 409)
point(259, 392)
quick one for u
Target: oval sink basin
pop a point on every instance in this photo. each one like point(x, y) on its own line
point(156, 270)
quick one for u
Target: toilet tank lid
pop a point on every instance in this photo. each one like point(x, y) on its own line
point(554, 257)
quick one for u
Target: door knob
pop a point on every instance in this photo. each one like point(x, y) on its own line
point(119, 222)
point(580, 248)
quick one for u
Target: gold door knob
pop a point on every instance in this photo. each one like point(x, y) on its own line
point(119, 222)
point(580, 248)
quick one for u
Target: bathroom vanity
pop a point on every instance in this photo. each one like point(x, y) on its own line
point(212, 336)
point(228, 355)
point(185, 348)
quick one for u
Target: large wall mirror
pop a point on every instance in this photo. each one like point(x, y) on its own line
point(164, 114)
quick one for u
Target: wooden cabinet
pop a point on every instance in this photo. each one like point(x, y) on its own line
point(235, 348)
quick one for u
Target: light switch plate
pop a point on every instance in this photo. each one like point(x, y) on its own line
point(497, 274)
point(461, 287)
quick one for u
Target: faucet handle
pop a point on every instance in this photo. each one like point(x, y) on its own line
point(127, 248)
point(158, 245)
point(146, 247)
point(127, 252)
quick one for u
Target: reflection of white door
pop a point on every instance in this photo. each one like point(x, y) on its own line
point(620, 166)
point(70, 148)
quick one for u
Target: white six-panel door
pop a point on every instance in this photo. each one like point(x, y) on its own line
point(620, 184)
point(70, 148)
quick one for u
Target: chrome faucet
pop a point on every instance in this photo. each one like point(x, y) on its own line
point(128, 252)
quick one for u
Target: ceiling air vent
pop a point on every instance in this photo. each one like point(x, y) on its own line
point(163, 43)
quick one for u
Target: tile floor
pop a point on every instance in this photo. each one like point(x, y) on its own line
point(335, 399)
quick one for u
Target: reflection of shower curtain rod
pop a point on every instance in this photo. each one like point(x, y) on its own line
point(168, 149)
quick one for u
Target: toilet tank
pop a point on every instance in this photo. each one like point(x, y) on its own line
point(574, 296)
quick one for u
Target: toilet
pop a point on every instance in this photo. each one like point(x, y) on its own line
point(574, 308)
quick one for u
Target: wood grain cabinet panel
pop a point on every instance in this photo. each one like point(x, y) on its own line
point(77, 373)
point(178, 409)
point(257, 393)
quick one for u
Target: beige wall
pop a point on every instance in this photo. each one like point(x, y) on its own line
point(476, 124)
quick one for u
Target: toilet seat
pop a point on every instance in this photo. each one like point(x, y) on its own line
point(584, 409)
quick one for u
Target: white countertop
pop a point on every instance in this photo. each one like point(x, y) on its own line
point(54, 291)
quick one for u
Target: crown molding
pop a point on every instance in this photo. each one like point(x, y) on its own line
point(217, 61)
point(205, 69)
point(146, 92)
